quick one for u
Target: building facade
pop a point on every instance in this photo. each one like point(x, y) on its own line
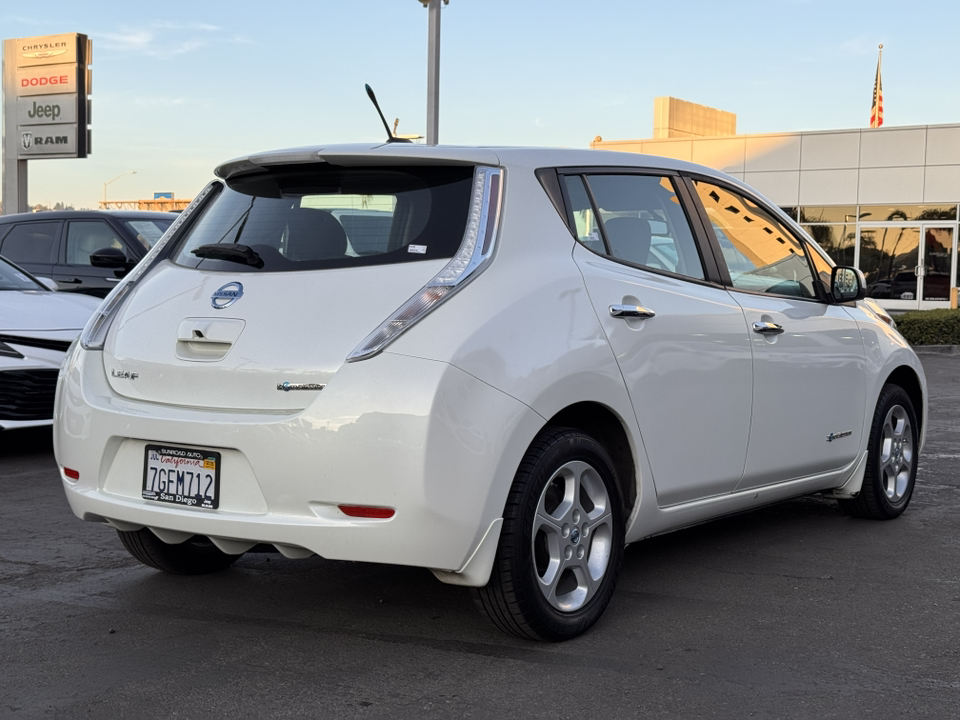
point(882, 199)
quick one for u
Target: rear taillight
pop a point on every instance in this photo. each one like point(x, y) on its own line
point(476, 250)
point(94, 335)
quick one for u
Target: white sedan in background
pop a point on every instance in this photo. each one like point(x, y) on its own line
point(37, 326)
point(539, 357)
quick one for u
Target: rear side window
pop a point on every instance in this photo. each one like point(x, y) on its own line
point(640, 222)
point(31, 242)
point(322, 216)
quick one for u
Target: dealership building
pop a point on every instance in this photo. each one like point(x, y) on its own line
point(882, 199)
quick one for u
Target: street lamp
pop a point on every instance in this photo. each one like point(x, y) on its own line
point(433, 69)
point(129, 172)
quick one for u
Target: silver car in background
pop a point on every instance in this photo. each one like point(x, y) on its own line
point(37, 326)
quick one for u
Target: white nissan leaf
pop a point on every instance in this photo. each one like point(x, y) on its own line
point(503, 365)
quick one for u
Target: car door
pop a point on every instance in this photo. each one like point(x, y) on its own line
point(678, 336)
point(81, 239)
point(32, 245)
point(809, 364)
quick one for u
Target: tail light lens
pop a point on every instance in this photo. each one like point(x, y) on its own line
point(94, 334)
point(475, 253)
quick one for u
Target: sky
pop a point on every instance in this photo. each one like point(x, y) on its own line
point(179, 87)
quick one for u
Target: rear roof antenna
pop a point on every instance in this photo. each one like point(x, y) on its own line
point(391, 138)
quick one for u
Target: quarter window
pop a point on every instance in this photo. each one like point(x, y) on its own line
point(760, 254)
point(640, 222)
point(585, 220)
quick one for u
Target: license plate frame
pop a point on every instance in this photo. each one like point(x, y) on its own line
point(183, 476)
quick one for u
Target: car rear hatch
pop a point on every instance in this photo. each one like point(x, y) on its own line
point(281, 276)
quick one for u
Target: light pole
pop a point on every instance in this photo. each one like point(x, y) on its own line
point(129, 172)
point(433, 69)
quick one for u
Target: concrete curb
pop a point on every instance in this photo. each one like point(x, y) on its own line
point(937, 349)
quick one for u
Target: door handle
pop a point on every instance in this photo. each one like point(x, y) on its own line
point(110, 279)
point(74, 281)
point(767, 328)
point(630, 311)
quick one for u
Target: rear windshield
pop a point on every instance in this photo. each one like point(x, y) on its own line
point(322, 216)
point(11, 278)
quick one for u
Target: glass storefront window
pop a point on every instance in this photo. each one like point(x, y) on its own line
point(902, 213)
point(937, 259)
point(838, 241)
point(888, 258)
point(906, 251)
point(831, 214)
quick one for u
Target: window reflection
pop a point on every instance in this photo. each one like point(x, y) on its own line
point(760, 254)
point(831, 214)
point(937, 259)
point(902, 213)
point(838, 241)
point(888, 259)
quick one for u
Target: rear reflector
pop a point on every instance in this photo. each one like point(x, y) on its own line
point(362, 511)
point(72, 474)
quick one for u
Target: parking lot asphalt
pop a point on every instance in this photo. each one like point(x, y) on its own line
point(794, 610)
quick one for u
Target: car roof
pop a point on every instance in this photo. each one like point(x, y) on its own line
point(409, 153)
point(88, 215)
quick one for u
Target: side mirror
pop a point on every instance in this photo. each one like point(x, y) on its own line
point(847, 284)
point(49, 284)
point(109, 257)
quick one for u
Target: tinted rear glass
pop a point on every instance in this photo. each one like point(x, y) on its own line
point(322, 216)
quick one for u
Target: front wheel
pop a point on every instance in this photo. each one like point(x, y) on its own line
point(561, 546)
point(892, 457)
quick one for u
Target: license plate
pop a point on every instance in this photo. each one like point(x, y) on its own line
point(182, 476)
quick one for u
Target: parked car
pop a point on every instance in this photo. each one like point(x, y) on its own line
point(63, 245)
point(37, 326)
point(506, 388)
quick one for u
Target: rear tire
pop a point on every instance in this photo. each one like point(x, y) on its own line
point(891, 470)
point(561, 545)
point(196, 556)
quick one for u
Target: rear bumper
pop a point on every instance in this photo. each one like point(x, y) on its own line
point(419, 436)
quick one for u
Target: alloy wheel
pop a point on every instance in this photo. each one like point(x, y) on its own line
point(572, 536)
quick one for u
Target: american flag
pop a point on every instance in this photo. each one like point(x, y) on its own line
point(876, 111)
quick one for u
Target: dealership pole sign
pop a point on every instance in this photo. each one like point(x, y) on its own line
point(46, 110)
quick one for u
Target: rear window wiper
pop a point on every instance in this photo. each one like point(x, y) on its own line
point(243, 254)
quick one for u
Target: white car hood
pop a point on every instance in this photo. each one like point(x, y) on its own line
point(38, 311)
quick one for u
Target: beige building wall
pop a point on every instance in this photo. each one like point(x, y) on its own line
point(839, 167)
point(675, 118)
